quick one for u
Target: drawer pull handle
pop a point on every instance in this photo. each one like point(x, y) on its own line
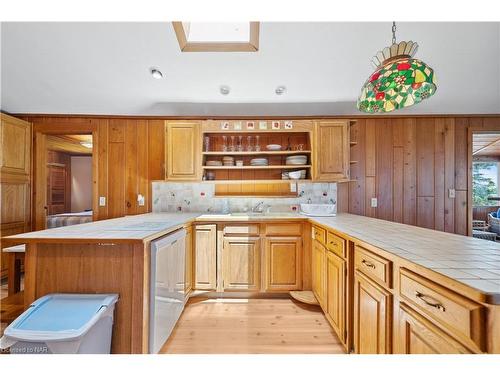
point(368, 264)
point(435, 304)
point(333, 243)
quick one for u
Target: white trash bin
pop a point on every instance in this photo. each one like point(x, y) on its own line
point(63, 324)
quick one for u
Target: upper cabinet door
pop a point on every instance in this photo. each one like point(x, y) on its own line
point(15, 138)
point(331, 150)
point(183, 150)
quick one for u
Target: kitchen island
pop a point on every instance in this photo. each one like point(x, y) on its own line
point(113, 256)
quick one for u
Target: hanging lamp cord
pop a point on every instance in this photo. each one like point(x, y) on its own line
point(393, 32)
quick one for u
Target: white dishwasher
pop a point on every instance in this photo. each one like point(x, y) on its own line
point(167, 287)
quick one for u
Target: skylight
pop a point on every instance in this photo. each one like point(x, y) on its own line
point(217, 36)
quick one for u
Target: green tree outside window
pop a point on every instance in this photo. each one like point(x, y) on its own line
point(483, 184)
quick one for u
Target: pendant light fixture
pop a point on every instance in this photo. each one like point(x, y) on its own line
point(399, 80)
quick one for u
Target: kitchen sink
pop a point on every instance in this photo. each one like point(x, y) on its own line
point(247, 214)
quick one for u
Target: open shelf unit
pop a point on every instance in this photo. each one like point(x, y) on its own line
point(292, 144)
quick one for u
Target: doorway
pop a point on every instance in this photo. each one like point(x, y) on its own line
point(69, 179)
point(65, 173)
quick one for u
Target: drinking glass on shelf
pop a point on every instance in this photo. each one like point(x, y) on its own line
point(257, 145)
point(224, 143)
point(232, 148)
point(207, 143)
point(249, 143)
point(240, 143)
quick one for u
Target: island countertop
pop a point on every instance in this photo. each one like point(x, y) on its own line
point(467, 260)
point(136, 228)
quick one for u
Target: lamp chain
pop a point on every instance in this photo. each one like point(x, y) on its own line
point(393, 32)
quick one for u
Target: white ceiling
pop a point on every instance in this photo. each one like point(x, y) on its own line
point(103, 68)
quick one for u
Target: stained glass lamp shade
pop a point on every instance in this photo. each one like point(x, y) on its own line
point(399, 80)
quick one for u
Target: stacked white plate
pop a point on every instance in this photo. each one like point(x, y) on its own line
point(228, 161)
point(214, 163)
point(273, 147)
point(258, 162)
point(296, 160)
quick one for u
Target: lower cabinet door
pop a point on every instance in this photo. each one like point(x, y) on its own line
point(372, 317)
point(318, 263)
point(283, 263)
point(336, 293)
point(241, 263)
point(419, 336)
point(205, 257)
point(188, 274)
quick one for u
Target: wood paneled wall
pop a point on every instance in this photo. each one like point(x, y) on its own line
point(409, 165)
point(128, 154)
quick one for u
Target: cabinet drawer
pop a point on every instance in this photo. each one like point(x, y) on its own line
point(449, 308)
point(336, 244)
point(378, 268)
point(319, 234)
point(281, 229)
point(250, 229)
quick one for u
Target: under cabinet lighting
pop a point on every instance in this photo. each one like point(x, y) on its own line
point(86, 144)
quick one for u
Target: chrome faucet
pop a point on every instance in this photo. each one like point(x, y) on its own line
point(259, 207)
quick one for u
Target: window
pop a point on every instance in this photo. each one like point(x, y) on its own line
point(484, 183)
point(217, 36)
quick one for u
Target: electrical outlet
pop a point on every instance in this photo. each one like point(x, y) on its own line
point(102, 201)
point(140, 199)
point(293, 187)
point(451, 193)
point(374, 202)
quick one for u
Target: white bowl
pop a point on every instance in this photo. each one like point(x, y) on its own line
point(295, 175)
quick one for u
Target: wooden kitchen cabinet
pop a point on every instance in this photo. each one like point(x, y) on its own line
point(336, 269)
point(318, 270)
point(417, 335)
point(283, 263)
point(241, 263)
point(331, 150)
point(15, 180)
point(188, 273)
point(205, 257)
point(183, 150)
point(372, 317)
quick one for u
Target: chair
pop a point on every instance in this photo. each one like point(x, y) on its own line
point(494, 223)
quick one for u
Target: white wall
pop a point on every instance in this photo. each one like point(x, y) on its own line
point(81, 183)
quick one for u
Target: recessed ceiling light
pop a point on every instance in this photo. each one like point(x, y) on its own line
point(280, 90)
point(156, 73)
point(224, 90)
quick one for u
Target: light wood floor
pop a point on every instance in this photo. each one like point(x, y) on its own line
point(241, 326)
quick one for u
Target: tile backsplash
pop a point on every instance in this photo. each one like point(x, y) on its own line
point(200, 197)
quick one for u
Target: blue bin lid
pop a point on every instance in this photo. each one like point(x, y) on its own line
point(60, 316)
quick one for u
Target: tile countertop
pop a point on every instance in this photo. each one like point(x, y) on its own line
point(129, 228)
point(470, 261)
